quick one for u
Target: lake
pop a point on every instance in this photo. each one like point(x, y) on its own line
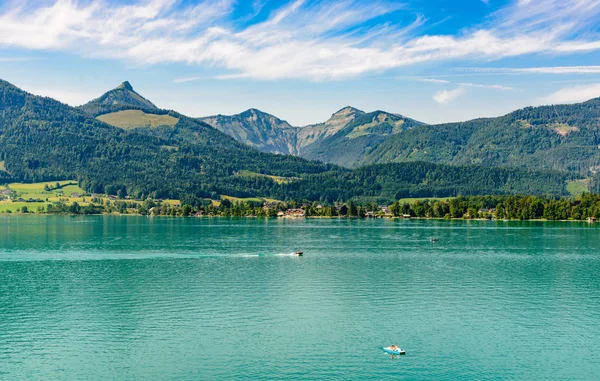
point(108, 297)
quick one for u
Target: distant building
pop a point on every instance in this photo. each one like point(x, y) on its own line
point(270, 205)
point(385, 209)
point(370, 215)
point(295, 213)
point(75, 195)
point(280, 214)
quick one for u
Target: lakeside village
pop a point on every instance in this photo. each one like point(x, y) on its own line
point(68, 198)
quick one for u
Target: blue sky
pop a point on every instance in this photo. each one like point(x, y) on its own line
point(302, 60)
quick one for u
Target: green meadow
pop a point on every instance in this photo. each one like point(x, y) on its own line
point(36, 191)
point(413, 200)
point(277, 179)
point(577, 187)
point(129, 119)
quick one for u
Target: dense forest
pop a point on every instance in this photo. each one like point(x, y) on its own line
point(560, 137)
point(504, 207)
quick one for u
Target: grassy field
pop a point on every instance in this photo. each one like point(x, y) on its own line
point(39, 187)
point(277, 179)
point(5, 206)
point(129, 119)
point(237, 199)
point(36, 191)
point(577, 187)
point(412, 200)
point(563, 129)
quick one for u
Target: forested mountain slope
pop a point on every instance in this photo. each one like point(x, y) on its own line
point(42, 140)
point(561, 137)
point(357, 138)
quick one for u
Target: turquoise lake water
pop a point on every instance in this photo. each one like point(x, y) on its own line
point(135, 298)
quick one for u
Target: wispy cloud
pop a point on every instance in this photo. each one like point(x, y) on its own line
point(537, 70)
point(573, 94)
point(462, 84)
point(434, 80)
point(480, 86)
point(13, 59)
point(316, 40)
point(424, 79)
point(190, 79)
point(447, 96)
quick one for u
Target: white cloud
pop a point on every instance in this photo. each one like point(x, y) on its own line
point(70, 97)
point(309, 40)
point(573, 94)
point(447, 96)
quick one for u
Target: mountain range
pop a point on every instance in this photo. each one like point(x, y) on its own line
point(123, 143)
point(349, 133)
point(557, 137)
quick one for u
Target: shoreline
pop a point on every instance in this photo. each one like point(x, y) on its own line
point(290, 218)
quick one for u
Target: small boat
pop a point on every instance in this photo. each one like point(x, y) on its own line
point(432, 240)
point(394, 350)
point(299, 253)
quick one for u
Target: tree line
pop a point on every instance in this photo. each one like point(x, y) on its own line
point(513, 207)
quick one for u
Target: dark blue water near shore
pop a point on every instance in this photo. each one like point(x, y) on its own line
point(97, 298)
